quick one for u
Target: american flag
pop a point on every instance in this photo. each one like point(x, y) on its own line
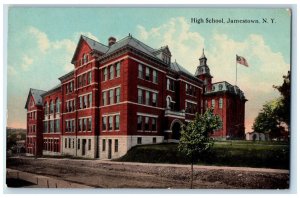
point(241, 60)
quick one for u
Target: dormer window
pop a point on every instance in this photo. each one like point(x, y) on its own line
point(166, 59)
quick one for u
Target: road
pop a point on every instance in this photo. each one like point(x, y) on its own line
point(109, 174)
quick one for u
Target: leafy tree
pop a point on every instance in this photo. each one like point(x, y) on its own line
point(195, 136)
point(283, 111)
point(268, 120)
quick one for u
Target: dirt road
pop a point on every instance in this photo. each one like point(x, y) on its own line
point(107, 174)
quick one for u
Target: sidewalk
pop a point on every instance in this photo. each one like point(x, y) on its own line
point(99, 161)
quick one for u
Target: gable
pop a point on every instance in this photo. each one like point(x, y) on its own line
point(81, 49)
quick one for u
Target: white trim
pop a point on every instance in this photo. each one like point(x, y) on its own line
point(49, 138)
point(180, 79)
point(92, 83)
point(84, 117)
point(110, 114)
point(172, 78)
point(129, 102)
point(30, 135)
point(113, 62)
point(146, 64)
point(85, 94)
point(70, 99)
point(33, 111)
point(175, 116)
point(146, 114)
point(192, 114)
point(68, 81)
point(118, 86)
point(85, 64)
point(187, 120)
point(190, 101)
point(147, 89)
point(168, 131)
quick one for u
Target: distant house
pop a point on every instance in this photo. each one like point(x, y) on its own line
point(255, 136)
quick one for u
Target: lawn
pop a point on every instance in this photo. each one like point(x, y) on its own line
point(223, 153)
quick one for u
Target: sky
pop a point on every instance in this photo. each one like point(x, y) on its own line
point(41, 43)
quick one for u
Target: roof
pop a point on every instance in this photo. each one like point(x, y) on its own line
point(66, 75)
point(36, 94)
point(178, 68)
point(95, 45)
point(224, 86)
point(55, 88)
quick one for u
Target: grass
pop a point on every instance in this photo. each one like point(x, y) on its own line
point(230, 153)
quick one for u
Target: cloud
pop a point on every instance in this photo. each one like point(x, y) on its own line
point(185, 45)
point(266, 66)
point(26, 62)
point(41, 37)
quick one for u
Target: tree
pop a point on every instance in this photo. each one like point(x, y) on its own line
point(283, 111)
point(268, 121)
point(195, 136)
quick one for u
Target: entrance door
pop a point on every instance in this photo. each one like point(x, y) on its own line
point(83, 146)
point(109, 149)
point(176, 131)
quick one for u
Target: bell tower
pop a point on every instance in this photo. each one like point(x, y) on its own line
point(203, 71)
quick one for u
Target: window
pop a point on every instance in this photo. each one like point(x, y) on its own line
point(46, 109)
point(154, 99)
point(69, 143)
point(104, 100)
point(89, 78)
point(73, 143)
point(57, 105)
point(154, 140)
point(103, 144)
point(78, 144)
point(89, 144)
point(57, 125)
point(85, 103)
point(221, 103)
point(79, 124)
point(111, 72)
point(139, 140)
point(147, 73)
point(139, 123)
point(66, 142)
point(117, 122)
point(73, 125)
point(153, 124)
point(105, 74)
point(111, 96)
point(83, 79)
point(147, 98)
point(52, 126)
point(67, 126)
point(90, 100)
point(141, 75)
point(140, 96)
point(79, 81)
point(84, 124)
point(213, 103)
point(110, 123)
point(118, 69)
point(170, 84)
point(116, 145)
point(205, 103)
point(71, 86)
point(89, 124)
point(51, 107)
point(146, 123)
point(45, 126)
point(85, 58)
point(80, 102)
point(117, 95)
point(103, 123)
point(155, 78)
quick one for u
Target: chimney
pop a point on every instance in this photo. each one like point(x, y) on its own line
point(111, 41)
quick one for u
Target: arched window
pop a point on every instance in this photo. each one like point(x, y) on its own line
point(169, 99)
point(57, 105)
point(46, 108)
point(213, 103)
point(85, 58)
point(51, 106)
